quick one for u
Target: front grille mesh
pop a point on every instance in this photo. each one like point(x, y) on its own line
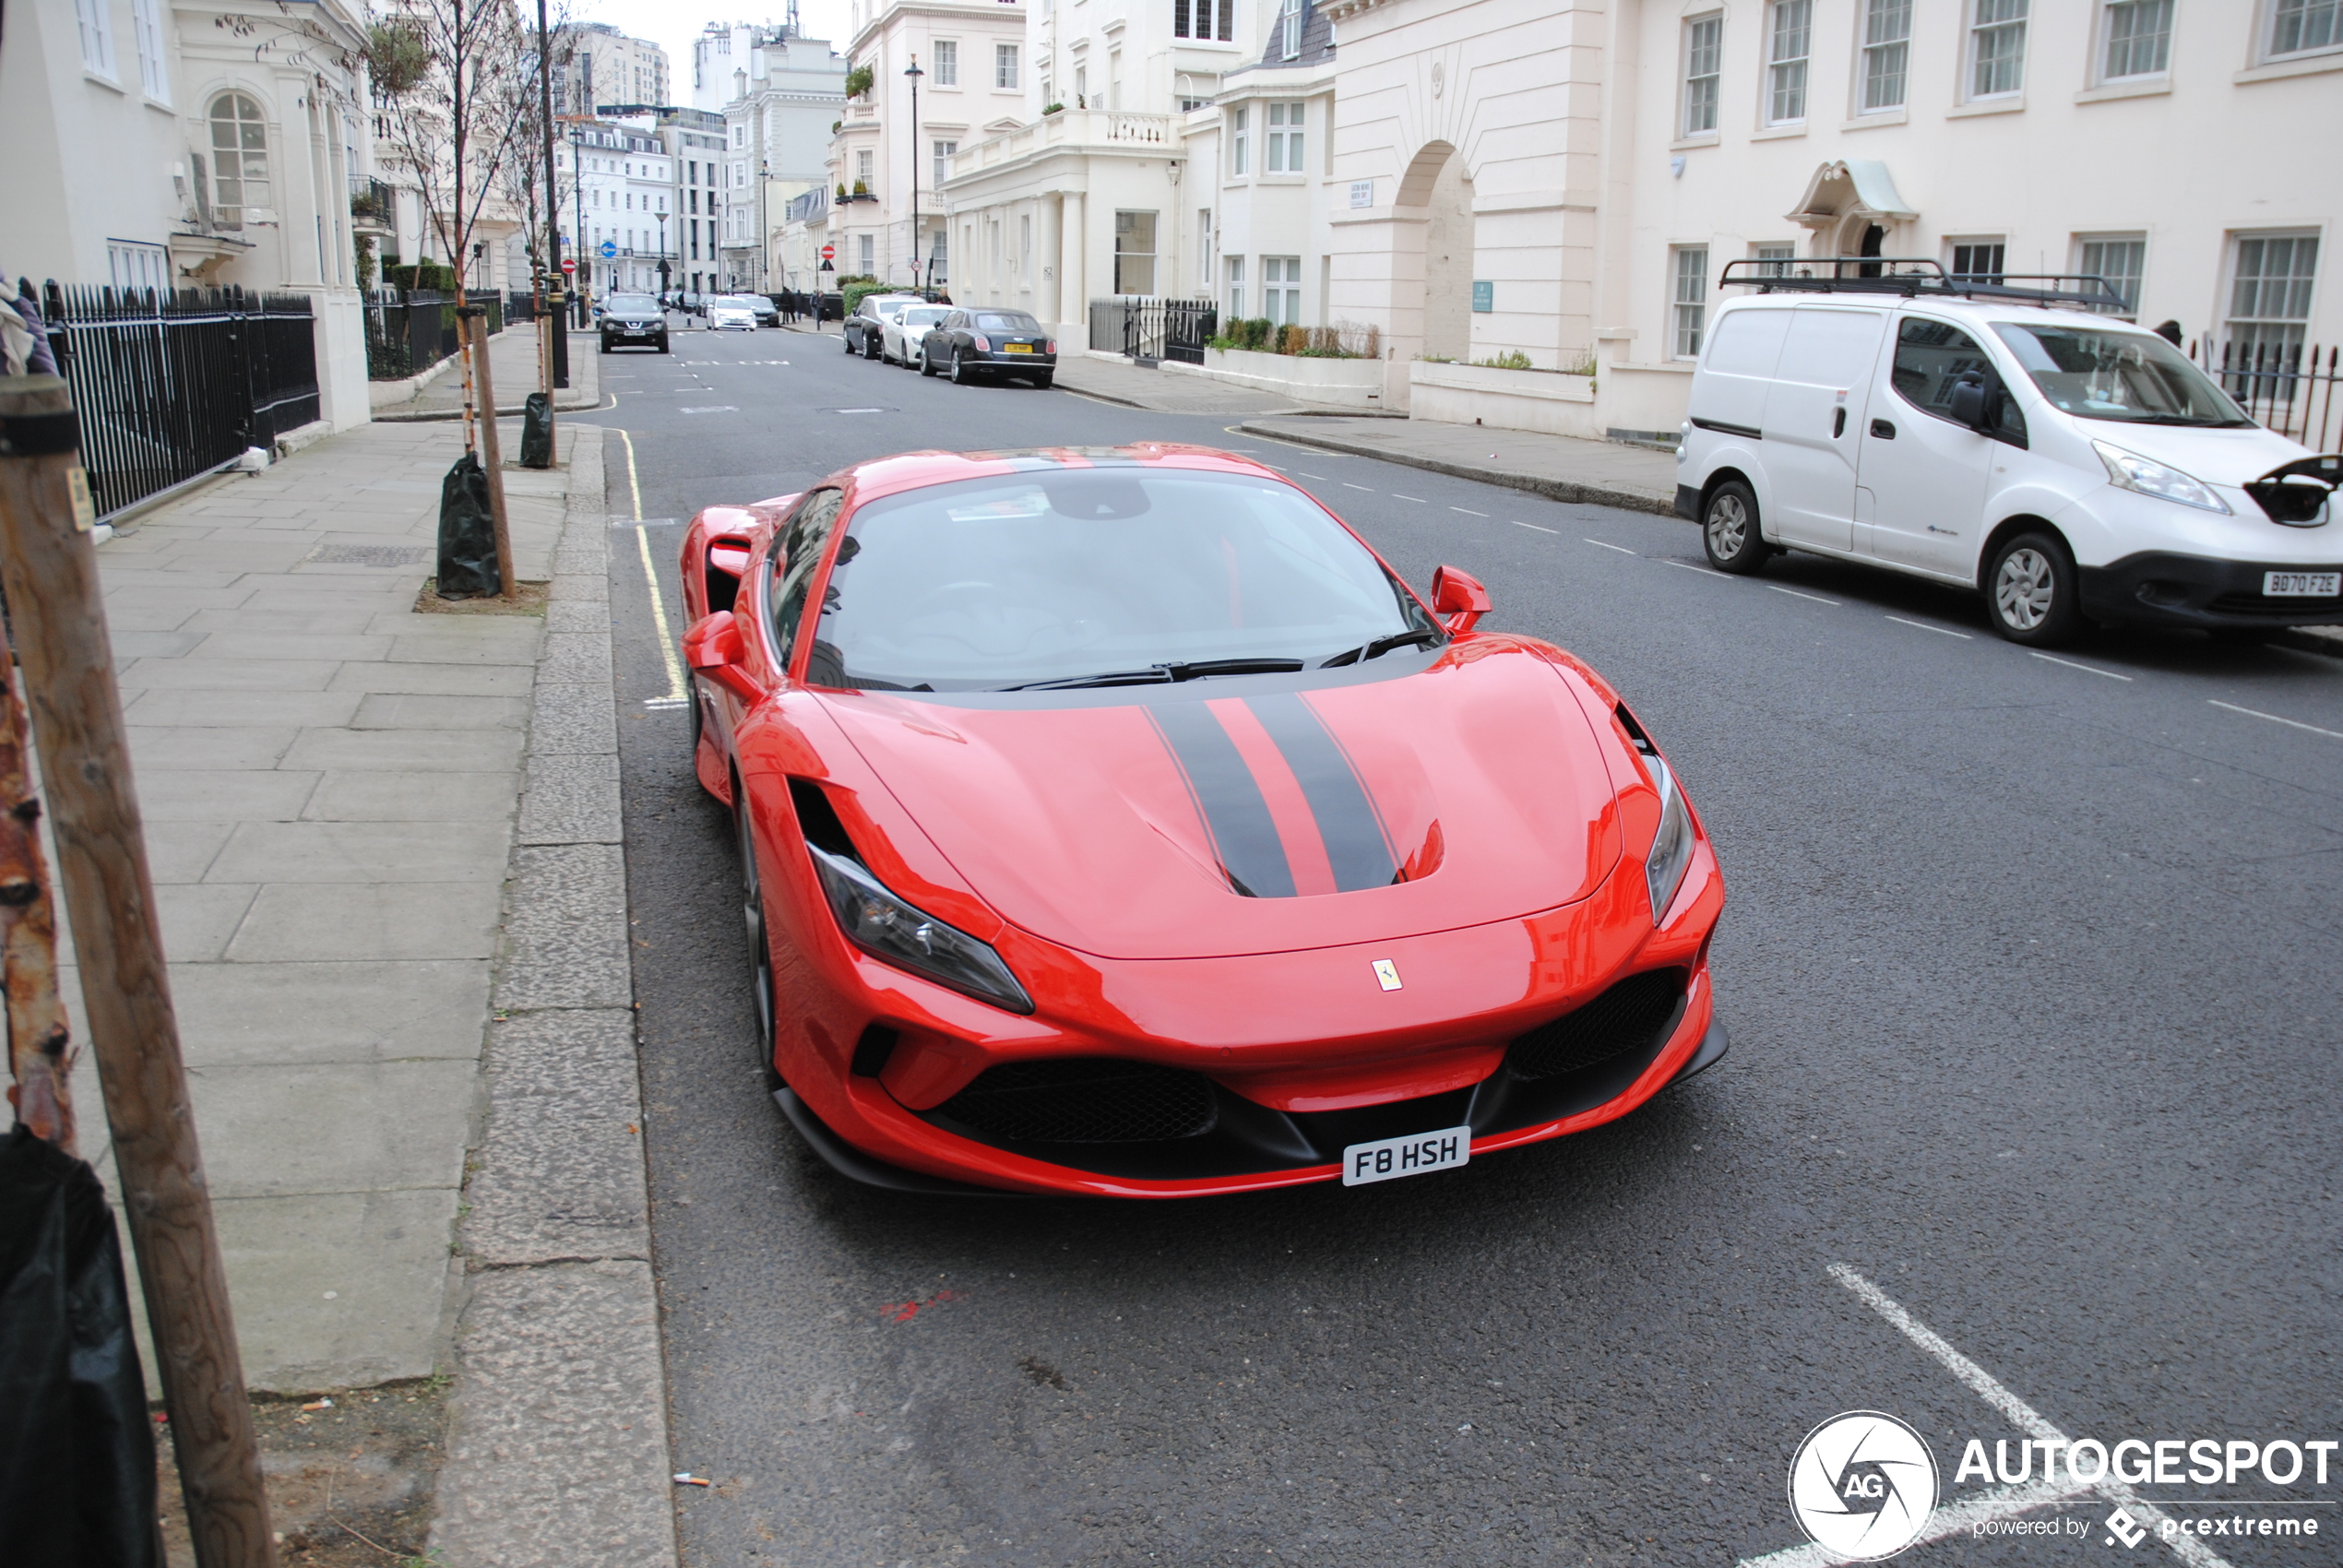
point(2254, 604)
point(1627, 1018)
point(1084, 1100)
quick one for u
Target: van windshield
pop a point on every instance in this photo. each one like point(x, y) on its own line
point(2132, 377)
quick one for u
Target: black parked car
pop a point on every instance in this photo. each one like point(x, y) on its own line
point(967, 344)
point(633, 318)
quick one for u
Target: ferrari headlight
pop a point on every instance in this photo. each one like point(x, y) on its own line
point(1670, 854)
point(2129, 470)
point(888, 929)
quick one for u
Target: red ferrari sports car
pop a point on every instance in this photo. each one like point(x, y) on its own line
point(1116, 822)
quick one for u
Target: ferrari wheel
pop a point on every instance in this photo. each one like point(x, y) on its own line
point(760, 946)
point(1729, 529)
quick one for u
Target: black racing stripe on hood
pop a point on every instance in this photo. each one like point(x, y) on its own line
point(1244, 835)
point(1356, 845)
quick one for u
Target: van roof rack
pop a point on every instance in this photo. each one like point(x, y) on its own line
point(1916, 277)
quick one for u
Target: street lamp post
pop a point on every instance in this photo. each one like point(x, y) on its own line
point(764, 223)
point(915, 74)
point(665, 272)
point(556, 298)
point(578, 170)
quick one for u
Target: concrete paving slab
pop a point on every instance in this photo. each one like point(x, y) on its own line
point(572, 615)
point(185, 850)
point(571, 798)
point(273, 1129)
point(167, 794)
point(157, 706)
point(561, 1127)
point(576, 658)
point(363, 795)
point(128, 643)
point(480, 641)
point(301, 1012)
point(157, 746)
point(438, 680)
point(434, 751)
point(316, 852)
point(280, 617)
point(573, 718)
point(159, 599)
point(198, 919)
point(272, 675)
point(371, 920)
point(408, 711)
point(299, 646)
point(565, 930)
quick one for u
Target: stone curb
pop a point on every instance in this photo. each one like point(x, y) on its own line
point(557, 1448)
point(1537, 485)
point(428, 416)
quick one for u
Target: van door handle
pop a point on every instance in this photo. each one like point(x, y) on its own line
point(1882, 430)
point(1838, 423)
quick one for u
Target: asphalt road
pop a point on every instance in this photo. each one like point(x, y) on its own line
point(2029, 967)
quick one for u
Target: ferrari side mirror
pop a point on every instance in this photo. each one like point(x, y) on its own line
point(1458, 600)
point(713, 647)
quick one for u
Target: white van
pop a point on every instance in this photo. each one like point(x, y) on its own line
point(2070, 466)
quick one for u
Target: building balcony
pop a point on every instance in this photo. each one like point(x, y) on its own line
point(1093, 130)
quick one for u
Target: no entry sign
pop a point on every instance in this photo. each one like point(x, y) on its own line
point(569, 265)
point(829, 252)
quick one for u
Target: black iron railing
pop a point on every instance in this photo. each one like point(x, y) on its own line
point(407, 331)
point(172, 386)
point(1148, 329)
point(2288, 386)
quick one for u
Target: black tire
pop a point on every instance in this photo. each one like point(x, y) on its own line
point(848, 341)
point(606, 345)
point(870, 346)
point(1042, 383)
point(2032, 591)
point(662, 343)
point(960, 373)
point(927, 361)
point(760, 946)
point(1729, 531)
point(699, 723)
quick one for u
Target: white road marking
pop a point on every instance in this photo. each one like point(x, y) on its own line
point(1320, 478)
point(1793, 593)
point(1417, 499)
point(1522, 525)
point(1608, 545)
point(1368, 487)
point(720, 409)
point(1940, 631)
point(1688, 567)
point(844, 410)
point(2289, 723)
point(2187, 1548)
point(2085, 668)
point(1468, 511)
point(1950, 1519)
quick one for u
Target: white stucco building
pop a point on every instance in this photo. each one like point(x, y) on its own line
point(162, 145)
point(606, 68)
point(784, 97)
point(619, 189)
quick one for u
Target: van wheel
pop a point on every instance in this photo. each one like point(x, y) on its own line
point(1729, 529)
point(2031, 592)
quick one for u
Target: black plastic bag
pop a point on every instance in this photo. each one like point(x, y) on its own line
point(76, 1449)
point(467, 533)
point(537, 431)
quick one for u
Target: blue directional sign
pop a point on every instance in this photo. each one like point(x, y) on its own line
point(609, 249)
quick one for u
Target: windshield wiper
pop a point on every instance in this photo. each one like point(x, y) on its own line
point(1382, 646)
point(1158, 674)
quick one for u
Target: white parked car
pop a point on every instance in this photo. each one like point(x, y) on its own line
point(724, 312)
point(2070, 466)
point(902, 327)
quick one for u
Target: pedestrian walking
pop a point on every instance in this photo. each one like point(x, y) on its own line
point(24, 338)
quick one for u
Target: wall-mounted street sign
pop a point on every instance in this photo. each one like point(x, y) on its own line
point(1484, 295)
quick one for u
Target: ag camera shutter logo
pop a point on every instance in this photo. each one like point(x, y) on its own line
point(1862, 1486)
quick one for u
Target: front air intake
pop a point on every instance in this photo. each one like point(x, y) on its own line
point(1084, 1100)
point(1633, 1016)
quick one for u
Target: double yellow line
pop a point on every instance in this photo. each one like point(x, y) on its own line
point(676, 695)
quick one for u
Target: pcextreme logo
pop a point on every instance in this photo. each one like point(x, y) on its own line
point(1862, 1485)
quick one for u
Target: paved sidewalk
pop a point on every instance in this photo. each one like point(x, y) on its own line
point(511, 363)
point(330, 783)
point(1164, 391)
point(1561, 468)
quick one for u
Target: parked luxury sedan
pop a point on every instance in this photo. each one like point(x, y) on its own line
point(901, 333)
point(967, 344)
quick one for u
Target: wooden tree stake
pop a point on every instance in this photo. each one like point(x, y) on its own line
point(39, 1039)
point(491, 456)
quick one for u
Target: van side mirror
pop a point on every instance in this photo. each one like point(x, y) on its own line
point(1458, 599)
point(713, 647)
point(1968, 403)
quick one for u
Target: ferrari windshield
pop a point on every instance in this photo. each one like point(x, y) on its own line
point(1104, 575)
point(2135, 377)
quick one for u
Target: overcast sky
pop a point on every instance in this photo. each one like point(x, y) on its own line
point(673, 26)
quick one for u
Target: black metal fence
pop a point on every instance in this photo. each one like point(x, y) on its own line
point(172, 386)
point(1148, 329)
point(410, 330)
point(2288, 386)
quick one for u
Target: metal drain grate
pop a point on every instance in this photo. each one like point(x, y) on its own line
point(368, 555)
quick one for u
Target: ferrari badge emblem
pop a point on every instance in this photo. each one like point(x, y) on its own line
point(1386, 974)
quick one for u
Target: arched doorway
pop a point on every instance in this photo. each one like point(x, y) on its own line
point(1438, 194)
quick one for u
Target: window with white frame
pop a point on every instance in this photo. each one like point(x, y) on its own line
point(154, 64)
point(2137, 39)
point(863, 167)
point(134, 264)
point(1236, 289)
point(2270, 280)
point(238, 159)
point(1209, 20)
point(1790, 34)
point(1004, 65)
point(1887, 45)
point(1688, 295)
point(944, 151)
point(1281, 289)
point(1704, 56)
point(2298, 27)
point(2120, 259)
point(1285, 138)
point(1997, 47)
point(1290, 30)
point(870, 260)
point(1978, 261)
point(1204, 247)
point(1236, 141)
point(945, 58)
point(1135, 252)
point(1773, 257)
point(97, 36)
